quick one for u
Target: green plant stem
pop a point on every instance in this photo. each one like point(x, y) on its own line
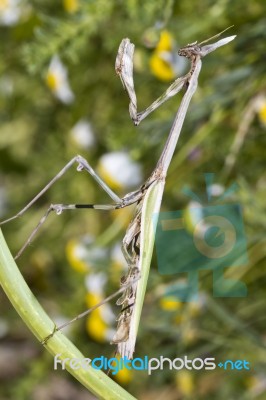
point(41, 326)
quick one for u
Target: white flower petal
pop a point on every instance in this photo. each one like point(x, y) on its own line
point(58, 82)
point(117, 255)
point(177, 63)
point(83, 134)
point(107, 314)
point(60, 320)
point(122, 169)
point(57, 67)
point(95, 282)
point(64, 93)
point(10, 12)
point(216, 189)
point(109, 334)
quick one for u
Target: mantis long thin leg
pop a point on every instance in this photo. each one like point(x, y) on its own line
point(90, 310)
point(82, 165)
point(126, 201)
point(59, 208)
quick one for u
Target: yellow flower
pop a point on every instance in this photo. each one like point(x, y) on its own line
point(185, 382)
point(192, 214)
point(83, 255)
point(3, 4)
point(99, 321)
point(109, 178)
point(165, 64)
point(262, 113)
point(124, 375)
point(166, 42)
point(123, 216)
point(96, 327)
point(170, 303)
point(161, 68)
point(57, 81)
point(10, 12)
point(71, 6)
point(74, 256)
point(92, 299)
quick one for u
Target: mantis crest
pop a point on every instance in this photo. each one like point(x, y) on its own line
point(137, 245)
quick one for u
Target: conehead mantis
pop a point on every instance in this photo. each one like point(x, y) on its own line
point(137, 245)
point(139, 240)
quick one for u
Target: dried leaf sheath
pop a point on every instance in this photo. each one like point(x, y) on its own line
point(151, 203)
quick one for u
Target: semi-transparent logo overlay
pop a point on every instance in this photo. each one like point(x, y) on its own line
point(148, 364)
point(204, 236)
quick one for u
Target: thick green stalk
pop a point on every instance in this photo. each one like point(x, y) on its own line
point(41, 326)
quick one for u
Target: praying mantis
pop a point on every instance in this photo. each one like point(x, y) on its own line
point(138, 242)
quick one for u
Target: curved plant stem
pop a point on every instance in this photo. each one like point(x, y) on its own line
point(41, 326)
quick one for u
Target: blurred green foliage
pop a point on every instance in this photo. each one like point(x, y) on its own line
point(35, 143)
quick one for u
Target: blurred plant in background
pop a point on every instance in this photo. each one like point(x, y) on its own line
point(59, 96)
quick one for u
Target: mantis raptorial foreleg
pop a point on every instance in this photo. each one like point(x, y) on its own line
point(124, 68)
